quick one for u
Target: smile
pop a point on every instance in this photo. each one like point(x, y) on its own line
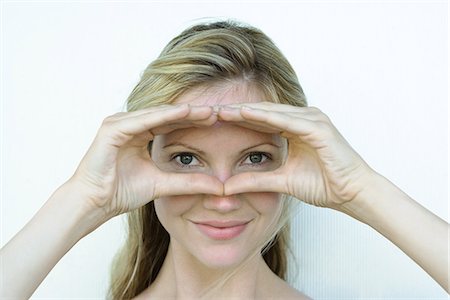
point(218, 230)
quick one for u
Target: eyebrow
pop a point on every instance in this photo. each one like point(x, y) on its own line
point(203, 153)
point(185, 146)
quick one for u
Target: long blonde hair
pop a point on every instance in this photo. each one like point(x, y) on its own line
point(204, 54)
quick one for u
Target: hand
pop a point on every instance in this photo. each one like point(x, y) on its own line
point(117, 174)
point(321, 168)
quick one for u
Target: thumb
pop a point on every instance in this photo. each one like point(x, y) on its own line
point(174, 184)
point(255, 182)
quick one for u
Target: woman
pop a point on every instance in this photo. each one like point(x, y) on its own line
point(216, 140)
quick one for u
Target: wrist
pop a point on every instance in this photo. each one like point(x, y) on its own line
point(70, 203)
point(373, 200)
point(59, 224)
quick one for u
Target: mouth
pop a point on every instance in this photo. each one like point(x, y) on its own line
point(221, 230)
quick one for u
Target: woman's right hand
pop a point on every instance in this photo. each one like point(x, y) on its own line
point(117, 174)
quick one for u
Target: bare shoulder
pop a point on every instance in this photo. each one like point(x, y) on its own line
point(280, 289)
point(292, 293)
point(288, 292)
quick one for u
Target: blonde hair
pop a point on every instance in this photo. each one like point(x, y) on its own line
point(205, 54)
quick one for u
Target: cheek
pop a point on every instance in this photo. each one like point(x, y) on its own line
point(266, 204)
point(168, 209)
point(269, 206)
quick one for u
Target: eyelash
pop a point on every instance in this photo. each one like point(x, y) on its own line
point(266, 157)
point(178, 155)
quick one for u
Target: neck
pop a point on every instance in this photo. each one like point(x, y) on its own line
point(184, 277)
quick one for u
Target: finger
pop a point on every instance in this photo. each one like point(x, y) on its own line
point(267, 106)
point(199, 112)
point(259, 120)
point(121, 129)
point(135, 113)
point(272, 106)
point(174, 184)
point(192, 120)
point(141, 140)
point(197, 115)
point(132, 123)
point(317, 134)
point(118, 130)
point(284, 122)
point(233, 115)
point(306, 112)
point(258, 126)
point(165, 129)
point(194, 108)
point(255, 182)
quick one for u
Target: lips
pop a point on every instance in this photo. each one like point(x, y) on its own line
point(221, 230)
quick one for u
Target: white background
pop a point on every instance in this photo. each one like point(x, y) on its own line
point(379, 70)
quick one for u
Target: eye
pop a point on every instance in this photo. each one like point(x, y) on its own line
point(186, 159)
point(256, 158)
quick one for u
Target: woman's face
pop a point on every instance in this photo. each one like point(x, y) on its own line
point(219, 231)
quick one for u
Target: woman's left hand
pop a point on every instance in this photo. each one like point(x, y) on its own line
point(321, 168)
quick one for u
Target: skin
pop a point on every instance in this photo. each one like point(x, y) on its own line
point(195, 261)
point(117, 175)
point(225, 152)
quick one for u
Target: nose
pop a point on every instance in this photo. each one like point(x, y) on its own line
point(222, 204)
point(222, 172)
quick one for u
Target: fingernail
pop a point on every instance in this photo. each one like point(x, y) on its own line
point(246, 108)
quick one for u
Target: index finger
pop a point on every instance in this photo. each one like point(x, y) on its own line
point(119, 129)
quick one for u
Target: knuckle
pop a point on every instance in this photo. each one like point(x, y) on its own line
point(112, 133)
point(115, 117)
point(107, 126)
point(323, 127)
point(108, 120)
point(112, 121)
point(314, 110)
point(320, 115)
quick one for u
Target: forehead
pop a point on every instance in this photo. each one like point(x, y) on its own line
point(222, 94)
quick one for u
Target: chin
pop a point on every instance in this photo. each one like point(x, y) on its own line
point(223, 256)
